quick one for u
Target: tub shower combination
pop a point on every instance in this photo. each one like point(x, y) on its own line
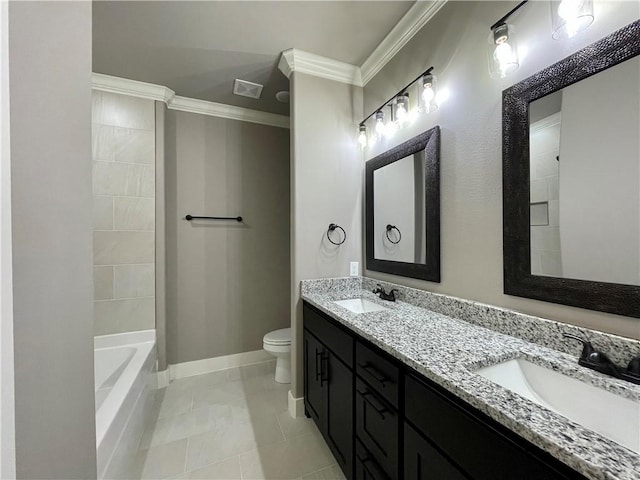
point(124, 381)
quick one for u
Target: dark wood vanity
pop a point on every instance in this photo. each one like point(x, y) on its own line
point(384, 421)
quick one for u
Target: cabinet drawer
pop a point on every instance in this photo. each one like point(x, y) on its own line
point(377, 427)
point(366, 466)
point(422, 461)
point(382, 374)
point(492, 456)
point(336, 339)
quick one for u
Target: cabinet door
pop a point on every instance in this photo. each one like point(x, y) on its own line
point(423, 462)
point(313, 391)
point(339, 412)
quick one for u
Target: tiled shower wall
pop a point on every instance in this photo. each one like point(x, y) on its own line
point(546, 255)
point(123, 131)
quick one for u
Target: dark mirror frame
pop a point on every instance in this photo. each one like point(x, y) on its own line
point(605, 297)
point(430, 142)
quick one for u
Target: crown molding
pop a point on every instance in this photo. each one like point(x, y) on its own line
point(150, 91)
point(410, 24)
point(203, 107)
point(133, 88)
point(294, 60)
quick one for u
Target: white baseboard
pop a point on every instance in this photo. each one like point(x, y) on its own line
point(163, 378)
point(208, 365)
point(296, 406)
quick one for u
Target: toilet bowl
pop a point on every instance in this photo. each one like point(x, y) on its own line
point(278, 344)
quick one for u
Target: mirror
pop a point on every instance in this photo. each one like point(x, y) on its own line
point(403, 209)
point(571, 177)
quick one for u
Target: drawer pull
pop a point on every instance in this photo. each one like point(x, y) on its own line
point(373, 401)
point(374, 372)
point(367, 462)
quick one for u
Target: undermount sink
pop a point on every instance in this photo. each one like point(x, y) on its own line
point(610, 415)
point(360, 305)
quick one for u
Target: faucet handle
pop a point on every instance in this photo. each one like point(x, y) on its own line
point(591, 358)
point(634, 367)
point(587, 347)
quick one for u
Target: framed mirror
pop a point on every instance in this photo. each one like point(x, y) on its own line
point(402, 204)
point(571, 179)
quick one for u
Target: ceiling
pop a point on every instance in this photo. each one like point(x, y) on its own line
point(198, 48)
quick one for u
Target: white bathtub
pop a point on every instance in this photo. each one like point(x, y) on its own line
point(124, 381)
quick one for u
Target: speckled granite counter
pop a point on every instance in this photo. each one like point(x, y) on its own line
point(448, 350)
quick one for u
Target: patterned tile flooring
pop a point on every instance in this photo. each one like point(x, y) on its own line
point(231, 424)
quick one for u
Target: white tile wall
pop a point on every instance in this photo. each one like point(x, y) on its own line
point(546, 258)
point(123, 149)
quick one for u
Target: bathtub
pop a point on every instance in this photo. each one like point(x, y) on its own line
point(124, 383)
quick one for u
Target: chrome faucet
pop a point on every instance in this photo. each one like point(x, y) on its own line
point(391, 296)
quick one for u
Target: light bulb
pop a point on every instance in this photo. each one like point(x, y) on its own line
point(362, 138)
point(504, 56)
point(428, 94)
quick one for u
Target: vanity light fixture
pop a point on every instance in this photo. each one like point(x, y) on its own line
point(402, 108)
point(362, 137)
point(503, 51)
point(429, 91)
point(400, 113)
point(569, 17)
point(380, 128)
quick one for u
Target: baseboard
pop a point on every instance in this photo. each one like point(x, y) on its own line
point(208, 365)
point(163, 378)
point(296, 406)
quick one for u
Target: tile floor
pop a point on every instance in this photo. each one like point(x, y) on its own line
point(231, 424)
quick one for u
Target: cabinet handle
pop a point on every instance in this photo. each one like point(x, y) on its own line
point(374, 402)
point(324, 362)
point(318, 370)
point(365, 464)
point(374, 372)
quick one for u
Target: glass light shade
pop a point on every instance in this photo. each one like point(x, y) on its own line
point(502, 51)
point(568, 17)
point(362, 137)
point(380, 127)
point(402, 108)
point(428, 87)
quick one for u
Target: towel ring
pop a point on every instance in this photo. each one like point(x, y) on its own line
point(332, 227)
point(393, 227)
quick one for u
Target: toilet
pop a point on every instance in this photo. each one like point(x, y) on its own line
point(278, 344)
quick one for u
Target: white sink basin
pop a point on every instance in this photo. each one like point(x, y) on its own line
point(612, 416)
point(360, 305)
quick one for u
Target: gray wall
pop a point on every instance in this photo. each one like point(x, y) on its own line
point(326, 181)
point(123, 145)
point(50, 60)
point(454, 42)
point(227, 283)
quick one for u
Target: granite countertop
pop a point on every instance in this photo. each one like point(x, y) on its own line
point(448, 350)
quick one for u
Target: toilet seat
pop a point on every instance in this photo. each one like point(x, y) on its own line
point(278, 338)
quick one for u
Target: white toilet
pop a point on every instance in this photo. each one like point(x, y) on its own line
point(278, 344)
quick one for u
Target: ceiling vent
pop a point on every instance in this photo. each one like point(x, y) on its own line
point(247, 89)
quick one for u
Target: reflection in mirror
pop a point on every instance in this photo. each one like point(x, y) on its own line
point(399, 210)
point(584, 152)
point(402, 204)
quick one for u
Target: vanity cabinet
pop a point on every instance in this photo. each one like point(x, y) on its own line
point(328, 384)
point(384, 421)
point(452, 436)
